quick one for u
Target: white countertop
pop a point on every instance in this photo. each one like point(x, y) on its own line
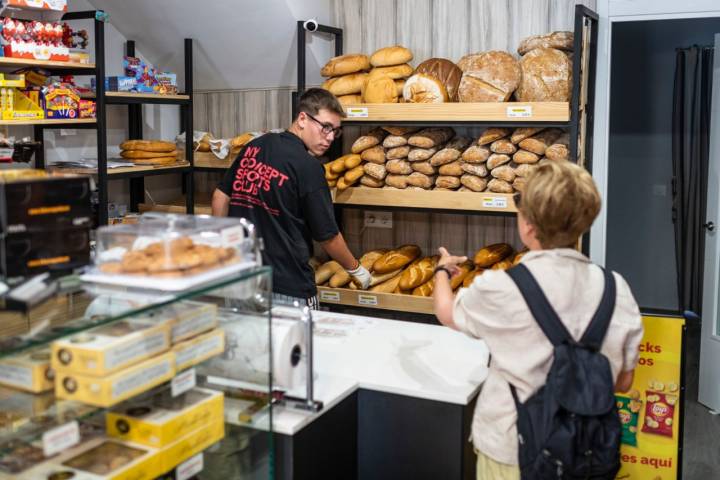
point(416, 360)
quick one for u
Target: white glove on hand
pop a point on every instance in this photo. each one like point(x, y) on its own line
point(361, 276)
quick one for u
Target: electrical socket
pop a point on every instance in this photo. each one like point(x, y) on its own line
point(377, 219)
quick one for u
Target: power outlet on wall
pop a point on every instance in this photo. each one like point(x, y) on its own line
point(376, 219)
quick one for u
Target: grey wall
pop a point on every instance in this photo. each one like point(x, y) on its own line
point(640, 242)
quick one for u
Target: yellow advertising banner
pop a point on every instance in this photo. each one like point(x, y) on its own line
point(650, 411)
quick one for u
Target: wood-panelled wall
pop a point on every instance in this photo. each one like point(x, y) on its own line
point(449, 29)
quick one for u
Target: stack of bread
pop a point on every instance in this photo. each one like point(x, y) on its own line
point(436, 159)
point(149, 152)
point(405, 270)
point(543, 74)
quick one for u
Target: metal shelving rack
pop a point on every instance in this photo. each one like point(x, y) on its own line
point(136, 175)
point(576, 117)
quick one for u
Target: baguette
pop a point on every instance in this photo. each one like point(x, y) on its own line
point(372, 138)
point(374, 154)
point(416, 273)
point(387, 286)
point(499, 186)
point(519, 256)
point(378, 172)
point(425, 290)
point(353, 175)
point(448, 182)
point(417, 179)
point(351, 161)
point(497, 159)
point(464, 270)
point(325, 271)
point(467, 281)
point(431, 137)
point(337, 165)
point(138, 154)
point(451, 151)
point(342, 184)
point(332, 183)
point(473, 182)
point(421, 154)
point(339, 279)
point(503, 264)
point(329, 174)
point(396, 259)
point(538, 143)
point(380, 278)
point(491, 254)
point(476, 154)
point(560, 150)
point(368, 181)
point(148, 146)
point(397, 153)
point(453, 169)
point(399, 167)
point(522, 133)
point(492, 134)
point(478, 169)
point(503, 146)
point(525, 157)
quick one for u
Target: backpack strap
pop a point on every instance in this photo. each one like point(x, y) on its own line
point(595, 334)
point(539, 305)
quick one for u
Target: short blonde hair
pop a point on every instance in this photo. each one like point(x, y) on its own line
point(561, 201)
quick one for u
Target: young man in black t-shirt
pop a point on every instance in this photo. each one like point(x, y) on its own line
point(278, 184)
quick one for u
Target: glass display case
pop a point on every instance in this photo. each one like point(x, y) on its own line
point(110, 381)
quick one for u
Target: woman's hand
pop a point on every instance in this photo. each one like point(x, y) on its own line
point(449, 261)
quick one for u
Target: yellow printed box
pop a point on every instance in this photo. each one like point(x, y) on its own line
point(176, 453)
point(110, 390)
point(190, 318)
point(199, 349)
point(100, 459)
point(112, 347)
point(162, 419)
point(29, 371)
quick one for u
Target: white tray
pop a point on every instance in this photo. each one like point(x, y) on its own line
point(165, 284)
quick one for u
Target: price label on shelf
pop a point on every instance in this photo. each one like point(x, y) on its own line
point(330, 296)
point(60, 438)
point(519, 111)
point(357, 112)
point(365, 299)
point(183, 382)
point(190, 468)
point(494, 202)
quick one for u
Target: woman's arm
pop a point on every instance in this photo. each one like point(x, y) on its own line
point(443, 298)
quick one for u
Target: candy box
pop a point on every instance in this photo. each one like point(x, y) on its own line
point(659, 413)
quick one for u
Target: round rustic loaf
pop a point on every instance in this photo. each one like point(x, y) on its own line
point(395, 55)
point(489, 77)
point(422, 88)
point(446, 72)
point(546, 76)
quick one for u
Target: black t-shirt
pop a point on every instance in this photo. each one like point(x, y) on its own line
point(279, 187)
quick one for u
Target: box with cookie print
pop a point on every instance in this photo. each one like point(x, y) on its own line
point(160, 250)
point(29, 371)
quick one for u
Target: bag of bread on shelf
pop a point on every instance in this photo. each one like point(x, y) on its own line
point(491, 254)
point(489, 77)
point(451, 151)
point(345, 64)
point(546, 76)
point(372, 138)
point(396, 259)
point(389, 56)
point(559, 40)
point(431, 137)
point(492, 134)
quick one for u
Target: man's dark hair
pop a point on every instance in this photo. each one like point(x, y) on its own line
point(316, 99)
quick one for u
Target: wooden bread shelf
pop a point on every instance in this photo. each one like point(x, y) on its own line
point(426, 199)
point(210, 161)
point(202, 206)
point(148, 96)
point(45, 121)
point(24, 62)
point(129, 171)
point(384, 301)
point(516, 112)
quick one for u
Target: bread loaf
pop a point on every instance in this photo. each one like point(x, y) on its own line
point(446, 72)
point(560, 149)
point(393, 141)
point(504, 172)
point(424, 167)
point(379, 278)
point(399, 130)
point(476, 154)
point(352, 160)
point(140, 154)
point(491, 254)
point(354, 174)
point(342, 184)
point(417, 179)
point(399, 167)
point(395, 259)
point(473, 182)
point(519, 183)
point(374, 170)
point(499, 186)
point(379, 88)
point(329, 174)
point(451, 152)
point(399, 88)
point(388, 56)
point(496, 160)
point(397, 181)
point(159, 146)
point(503, 146)
point(468, 280)
point(372, 138)
point(325, 271)
point(397, 152)
point(421, 88)
point(525, 157)
point(453, 169)
point(492, 134)
point(368, 181)
point(387, 286)
point(374, 154)
point(419, 272)
point(162, 160)
point(478, 169)
point(346, 84)
point(395, 72)
point(546, 76)
point(538, 143)
point(519, 256)
point(464, 270)
point(520, 134)
point(332, 183)
point(431, 137)
point(558, 40)
point(446, 181)
point(421, 154)
point(503, 264)
point(345, 64)
point(524, 169)
point(425, 290)
point(339, 279)
point(352, 99)
point(338, 165)
point(489, 77)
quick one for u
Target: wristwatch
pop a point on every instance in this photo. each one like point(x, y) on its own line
point(442, 269)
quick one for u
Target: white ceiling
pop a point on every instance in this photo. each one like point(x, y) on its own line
point(238, 43)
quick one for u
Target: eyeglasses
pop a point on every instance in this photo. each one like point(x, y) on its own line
point(327, 128)
point(517, 197)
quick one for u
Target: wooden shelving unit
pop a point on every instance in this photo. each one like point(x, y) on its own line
point(208, 161)
point(65, 122)
point(24, 62)
point(130, 172)
point(383, 301)
point(202, 206)
point(426, 199)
